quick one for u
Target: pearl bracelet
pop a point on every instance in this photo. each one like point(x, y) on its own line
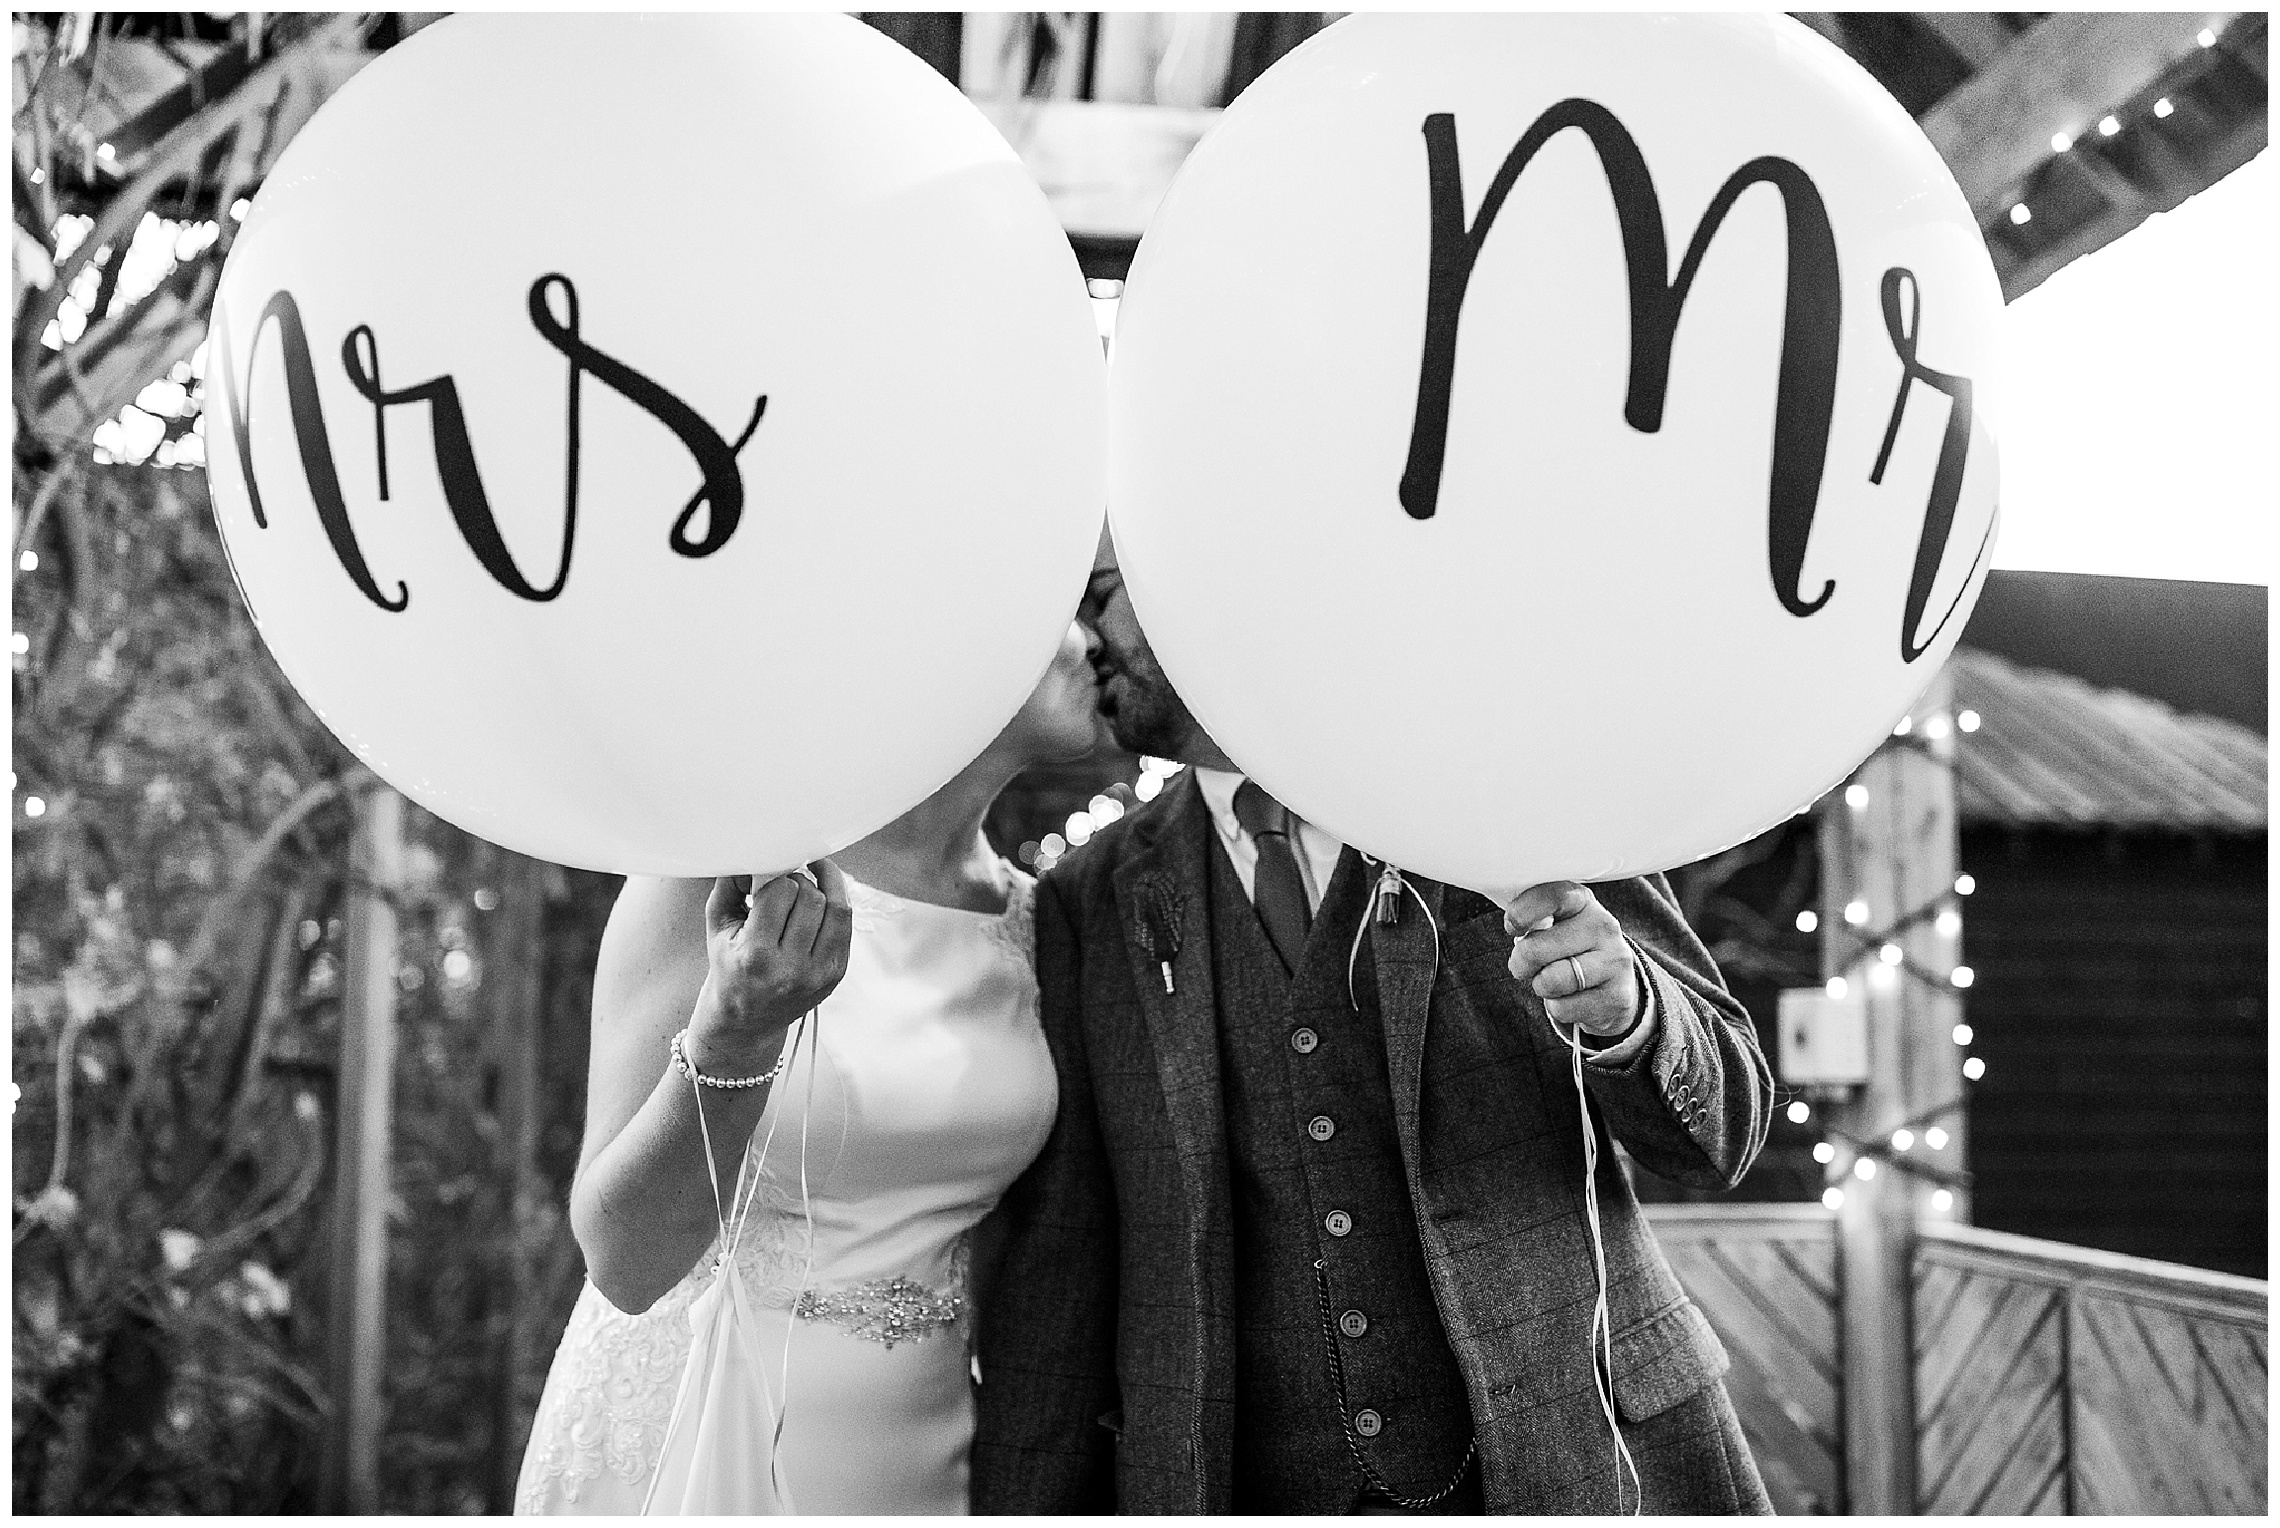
point(688, 1068)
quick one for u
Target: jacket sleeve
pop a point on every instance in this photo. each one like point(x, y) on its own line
point(1694, 1106)
point(1046, 1274)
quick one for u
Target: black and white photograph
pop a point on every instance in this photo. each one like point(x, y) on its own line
point(917, 763)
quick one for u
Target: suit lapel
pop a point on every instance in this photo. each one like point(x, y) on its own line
point(1163, 919)
point(1407, 957)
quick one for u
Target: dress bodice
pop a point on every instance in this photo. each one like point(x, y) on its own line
point(922, 1087)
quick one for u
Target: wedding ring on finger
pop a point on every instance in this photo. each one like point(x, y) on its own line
point(1575, 974)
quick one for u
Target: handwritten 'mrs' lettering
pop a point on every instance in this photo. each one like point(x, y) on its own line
point(721, 489)
point(1805, 393)
point(308, 417)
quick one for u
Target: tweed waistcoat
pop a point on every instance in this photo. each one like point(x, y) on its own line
point(1326, 1242)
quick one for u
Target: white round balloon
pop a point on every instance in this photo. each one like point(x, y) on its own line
point(663, 443)
point(1500, 416)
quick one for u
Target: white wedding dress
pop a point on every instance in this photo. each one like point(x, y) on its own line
point(931, 1090)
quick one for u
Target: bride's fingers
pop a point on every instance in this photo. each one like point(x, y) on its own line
point(806, 918)
point(838, 929)
point(772, 907)
point(724, 908)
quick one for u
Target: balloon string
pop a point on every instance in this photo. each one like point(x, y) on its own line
point(811, 1027)
point(750, 1171)
point(1602, 1334)
point(1390, 880)
point(1602, 1340)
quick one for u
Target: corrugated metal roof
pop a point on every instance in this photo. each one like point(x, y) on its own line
point(2055, 751)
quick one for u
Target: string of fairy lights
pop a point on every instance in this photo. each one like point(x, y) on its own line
point(2109, 125)
point(1041, 854)
point(1842, 1155)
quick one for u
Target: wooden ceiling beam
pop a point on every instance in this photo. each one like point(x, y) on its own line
point(2024, 274)
point(2060, 75)
point(1976, 36)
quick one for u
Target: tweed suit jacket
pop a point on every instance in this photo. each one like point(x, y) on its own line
point(1106, 1288)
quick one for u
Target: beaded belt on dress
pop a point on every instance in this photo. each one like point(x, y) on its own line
point(885, 1311)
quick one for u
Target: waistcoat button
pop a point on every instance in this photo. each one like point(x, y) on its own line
point(1368, 1423)
point(1322, 1127)
point(1304, 1040)
point(1353, 1323)
point(1337, 1222)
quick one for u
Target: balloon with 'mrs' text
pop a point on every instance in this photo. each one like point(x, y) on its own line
point(1555, 446)
point(663, 444)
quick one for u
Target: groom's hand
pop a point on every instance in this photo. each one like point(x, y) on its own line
point(1570, 952)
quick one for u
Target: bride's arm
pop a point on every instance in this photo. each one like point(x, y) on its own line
point(687, 953)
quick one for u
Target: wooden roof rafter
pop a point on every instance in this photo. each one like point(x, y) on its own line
point(2062, 75)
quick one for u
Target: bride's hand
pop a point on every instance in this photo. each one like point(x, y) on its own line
point(768, 962)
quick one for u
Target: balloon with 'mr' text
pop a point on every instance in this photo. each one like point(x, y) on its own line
point(664, 444)
point(1555, 446)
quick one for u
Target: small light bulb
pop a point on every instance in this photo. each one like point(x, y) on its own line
point(1942, 1200)
point(34, 807)
point(1882, 977)
point(1834, 1198)
point(1967, 721)
point(2108, 126)
point(1808, 921)
point(1891, 954)
point(1936, 727)
point(2022, 213)
point(2060, 143)
point(1865, 1169)
point(1962, 976)
point(2207, 38)
point(1824, 1153)
point(1948, 923)
point(1836, 987)
point(29, 562)
point(1974, 1068)
point(1965, 885)
point(1799, 1112)
point(1856, 912)
point(1961, 1034)
point(1936, 1138)
point(19, 643)
point(1905, 723)
point(1856, 797)
point(1903, 1139)
point(2163, 107)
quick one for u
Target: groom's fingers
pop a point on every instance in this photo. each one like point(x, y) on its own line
point(1552, 899)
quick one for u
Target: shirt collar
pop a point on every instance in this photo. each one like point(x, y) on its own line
point(1218, 787)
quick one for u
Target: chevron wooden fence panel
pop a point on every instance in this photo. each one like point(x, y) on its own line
point(2049, 1379)
point(2057, 1379)
point(1990, 1393)
point(1766, 1276)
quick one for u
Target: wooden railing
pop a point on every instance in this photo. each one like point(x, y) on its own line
point(2052, 1378)
point(2047, 1378)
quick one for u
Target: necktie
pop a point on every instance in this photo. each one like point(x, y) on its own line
point(1277, 891)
